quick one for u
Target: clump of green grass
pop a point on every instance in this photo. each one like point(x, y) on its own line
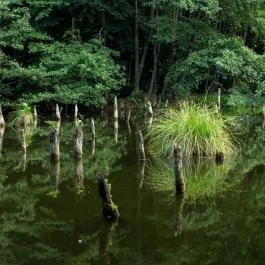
point(199, 130)
point(23, 115)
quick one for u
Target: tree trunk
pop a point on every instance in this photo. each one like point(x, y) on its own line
point(179, 178)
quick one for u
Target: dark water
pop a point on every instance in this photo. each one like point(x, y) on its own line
point(51, 215)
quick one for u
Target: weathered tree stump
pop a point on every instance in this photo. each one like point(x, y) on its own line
point(129, 114)
point(109, 209)
point(166, 103)
point(57, 113)
point(2, 120)
point(79, 142)
point(54, 145)
point(178, 170)
point(116, 114)
point(93, 148)
point(141, 145)
point(35, 117)
point(76, 114)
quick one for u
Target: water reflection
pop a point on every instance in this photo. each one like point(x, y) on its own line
point(79, 171)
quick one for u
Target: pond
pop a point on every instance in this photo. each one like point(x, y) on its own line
point(51, 213)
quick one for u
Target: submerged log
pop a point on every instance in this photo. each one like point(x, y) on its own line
point(79, 142)
point(109, 209)
point(178, 170)
point(57, 113)
point(2, 120)
point(116, 114)
point(54, 145)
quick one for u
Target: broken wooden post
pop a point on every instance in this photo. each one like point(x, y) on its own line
point(54, 145)
point(116, 114)
point(57, 113)
point(116, 130)
point(178, 170)
point(2, 120)
point(79, 142)
point(141, 145)
point(109, 209)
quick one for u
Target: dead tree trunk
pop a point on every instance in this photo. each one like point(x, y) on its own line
point(178, 170)
point(2, 120)
point(23, 141)
point(55, 173)
point(109, 209)
point(149, 109)
point(54, 145)
point(79, 173)
point(79, 142)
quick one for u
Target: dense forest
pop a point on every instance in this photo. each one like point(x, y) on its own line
point(80, 51)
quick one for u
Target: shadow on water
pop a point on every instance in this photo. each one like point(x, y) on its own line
point(51, 212)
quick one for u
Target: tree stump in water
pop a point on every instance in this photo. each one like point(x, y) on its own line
point(79, 142)
point(2, 120)
point(116, 115)
point(109, 209)
point(57, 113)
point(149, 109)
point(75, 114)
point(141, 145)
point(93, 129)
point(54, 145)
point(179, 177)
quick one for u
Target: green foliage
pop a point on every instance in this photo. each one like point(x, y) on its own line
point(199, 130)
point(22, 115)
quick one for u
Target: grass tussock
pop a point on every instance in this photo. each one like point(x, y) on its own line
point(199, 130)
point(22, 116)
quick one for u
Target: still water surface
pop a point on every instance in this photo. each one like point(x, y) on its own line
point(50, 213)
